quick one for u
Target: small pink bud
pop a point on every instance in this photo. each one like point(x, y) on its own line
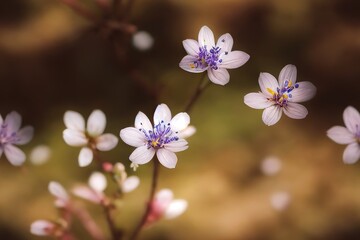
point(107, 167)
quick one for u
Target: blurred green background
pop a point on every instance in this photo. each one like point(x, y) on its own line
point(52, 60)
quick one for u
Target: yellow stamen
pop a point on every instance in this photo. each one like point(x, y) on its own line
point(270, 91)
point(192, 65)
point(290, 83)
point(155, 143)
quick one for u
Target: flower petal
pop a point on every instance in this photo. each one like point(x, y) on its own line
point(142, 155)
point(106, 142)
point(167, 158)
point(85, 157)
point(220, 76)
point(271, 115)
point(304, 92)
point(42, 227)
point(288, 73)
point(352, 153)
point(188, 64)
point(58, 191)
point(268, 84)
point(87, 193)
point(74, 120)
point(162, 113)
point(130, 184)
point(74, 138)
point(225, 42)
point(206, 37)
point(191, 47)
point(25, 135)
point(97, 181)
point(13, 121)
point(187, 132)
point(295, 110)
point(15, 156)
point(340, 135)
point(96, 123)
point(176, 208)
point(177, 146)
point(133, 137)
point(179, 122)
point(257, 100)
point(352, 119)
point(234, 59)
point(142, 121)
point(164, 197)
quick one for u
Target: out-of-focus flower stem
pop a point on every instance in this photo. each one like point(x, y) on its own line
point(203, 84)
point(149, 203)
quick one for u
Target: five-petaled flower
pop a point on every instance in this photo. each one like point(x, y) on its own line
point(349, 135)
point(162, 138)
point(10, 135)
point(281, 96)
point(205, 55)
point(91, 138)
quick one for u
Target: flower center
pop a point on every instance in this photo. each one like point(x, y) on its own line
point(5, 137)
point(160, 135)
point(281, 96)
point(208, 58)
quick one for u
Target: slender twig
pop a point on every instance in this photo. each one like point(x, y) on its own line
point(149, 203)
point(128, 8)
point(115, 233)
point(203, 83)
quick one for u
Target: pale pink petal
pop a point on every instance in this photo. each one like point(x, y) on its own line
point(179, 122)
point(130, 184)
point(133, 137)
point(177, 146)
point(25, 135)
point(257, 100)
point(85, 157)
point(225, 42)
point(288, 73)
point(304, 92)
point(162, 113)
point(206, 37)
point(341, 135)
point(188, 64)
point(268, 84)
point(58, 191)
point(191, 47)
point(97, 181)
point(15, 156)
point(142, 121)
point(175, 208)
point(106, 142)
point(13, 121)
point(164, 197)
point(167, 158)
point(74, 138)
point(352, 119)
point(74, 120)
point(142, 155)
point(220, 76)
point(234, 59)
point(280, 200)
point(96, 123)
point(187, 132)
point(42, 228)
point(352, 153)
point(271, 115)
point(87, 193)
point(295, 110)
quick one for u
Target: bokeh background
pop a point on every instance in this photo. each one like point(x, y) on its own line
point(53, 60)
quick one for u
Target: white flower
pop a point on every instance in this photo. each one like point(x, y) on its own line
point(349, 135)
point(205, 55)
point(94, 192)
point(142, 40)
point(127, 184)
point(165, 206)
point(43, 228)
point(40, 154)
point(10, 135)
point(271, 166)
point(90, 138)
point(162, 139)
point(280, 200)
point(283, 96)
point(59, 192)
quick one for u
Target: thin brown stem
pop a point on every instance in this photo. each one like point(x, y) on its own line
point(115, 233)
point(149, 203)
point(203, 84)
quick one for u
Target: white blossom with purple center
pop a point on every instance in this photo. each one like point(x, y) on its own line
point(10, 135)
point(281, 96)
point(204, 55)
point(349, 135)
point(163, 138)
